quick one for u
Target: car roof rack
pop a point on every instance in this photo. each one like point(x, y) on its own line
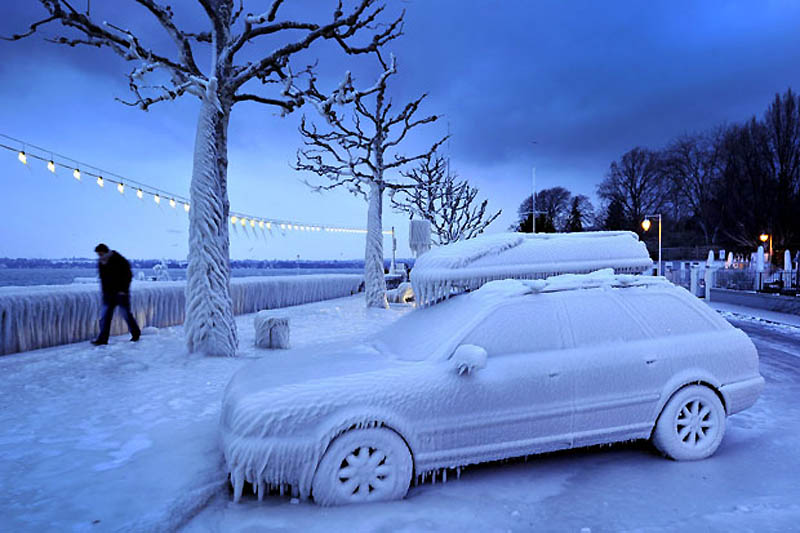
point(500, 289)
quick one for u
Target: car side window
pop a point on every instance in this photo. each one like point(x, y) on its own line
point(597, 317)
point(667, 314)
point(530, 325)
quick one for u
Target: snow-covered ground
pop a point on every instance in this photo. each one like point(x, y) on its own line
point(125, 437)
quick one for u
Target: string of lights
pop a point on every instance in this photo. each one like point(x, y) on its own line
point(27, 152)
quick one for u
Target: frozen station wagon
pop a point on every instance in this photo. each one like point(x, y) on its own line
point(511, 369)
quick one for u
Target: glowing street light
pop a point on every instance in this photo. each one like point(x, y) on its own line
point(646, 224)
point(764, 237)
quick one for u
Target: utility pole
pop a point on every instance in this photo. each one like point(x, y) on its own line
point(533, 200)
point(533, 195)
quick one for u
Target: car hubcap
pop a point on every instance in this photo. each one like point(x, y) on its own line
point(364, 472)
point(695, 423)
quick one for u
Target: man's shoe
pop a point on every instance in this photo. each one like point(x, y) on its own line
point(98, 342)
point(135, 338)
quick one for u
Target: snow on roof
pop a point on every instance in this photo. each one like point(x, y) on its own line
point(467, 265)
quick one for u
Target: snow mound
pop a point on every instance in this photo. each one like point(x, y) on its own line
point(467, 265)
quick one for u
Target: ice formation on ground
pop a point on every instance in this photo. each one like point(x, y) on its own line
point(49, 315)
point(466, 265)
point(570, 363)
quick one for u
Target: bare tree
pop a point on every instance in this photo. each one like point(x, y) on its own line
point(356, 151)
point(636, 183)
point(447, 203)
point(694, 163)
point(263, 75)
point(551, 211)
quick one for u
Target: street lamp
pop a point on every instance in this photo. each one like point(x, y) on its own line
point(533, 201)
point(764, 237)
point(646, 226)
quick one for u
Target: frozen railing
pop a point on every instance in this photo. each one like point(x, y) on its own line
point(42, 316)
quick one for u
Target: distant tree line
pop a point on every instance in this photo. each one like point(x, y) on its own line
point(557, 209)
point(718, 188)
point(723, 187)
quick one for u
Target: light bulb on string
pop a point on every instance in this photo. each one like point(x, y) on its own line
point(76, 174)
point(186, 206)
point(234, 219)
point(243, 221)
point(99, 181)
point(51, 166)
point(283, 226)
point(261, 224)
point(121, 188)
point(156, 198)
point(139, 194)
point(22, 158)
point(252, 223)
point(172, 203)
point(269, 225)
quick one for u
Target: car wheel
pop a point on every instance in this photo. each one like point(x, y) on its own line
point(363, 465)
point(691, 425)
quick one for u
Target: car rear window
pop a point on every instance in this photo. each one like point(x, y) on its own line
point(597, 317)
point(667, 314)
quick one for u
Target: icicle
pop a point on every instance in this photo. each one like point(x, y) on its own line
point(262, 488)
point(237, 479)
point(444, 476)
point(280, 489)
point(458, 472)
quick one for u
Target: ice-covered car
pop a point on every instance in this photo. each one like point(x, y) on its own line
point(512, 369)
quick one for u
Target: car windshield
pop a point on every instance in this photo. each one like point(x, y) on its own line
point(424, 333)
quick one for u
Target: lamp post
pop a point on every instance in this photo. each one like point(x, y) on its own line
point(764, 237)
point(646, 226)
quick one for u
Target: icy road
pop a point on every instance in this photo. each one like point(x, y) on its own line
point(124, 437)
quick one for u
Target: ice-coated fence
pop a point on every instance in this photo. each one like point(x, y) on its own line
point(42, 316)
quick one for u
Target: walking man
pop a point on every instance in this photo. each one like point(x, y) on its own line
point(115, 281)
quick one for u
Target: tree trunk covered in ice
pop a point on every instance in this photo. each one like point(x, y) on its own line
point(358, 153)
point(374, 281)
point(210, 328)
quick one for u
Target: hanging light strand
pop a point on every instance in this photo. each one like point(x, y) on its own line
point(54, 161)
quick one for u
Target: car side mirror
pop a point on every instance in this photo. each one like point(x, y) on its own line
point(468, 358)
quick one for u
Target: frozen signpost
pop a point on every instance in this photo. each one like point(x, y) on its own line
point(419, 236)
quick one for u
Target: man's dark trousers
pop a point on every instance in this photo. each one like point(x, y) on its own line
point(110, 302)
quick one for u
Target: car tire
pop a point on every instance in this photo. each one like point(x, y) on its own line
point(691, 425)
point(363, 465)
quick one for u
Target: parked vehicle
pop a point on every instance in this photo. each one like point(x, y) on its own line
point(514, 368)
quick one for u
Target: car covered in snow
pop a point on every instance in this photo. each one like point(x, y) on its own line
point(511, 369)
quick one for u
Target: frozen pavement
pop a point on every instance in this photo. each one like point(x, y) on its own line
point(124, 438)
point(761, 314)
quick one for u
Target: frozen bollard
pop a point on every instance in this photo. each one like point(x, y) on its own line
point(271, 331)
point(402, 294)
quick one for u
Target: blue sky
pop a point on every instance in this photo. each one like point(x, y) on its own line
point(586, 80)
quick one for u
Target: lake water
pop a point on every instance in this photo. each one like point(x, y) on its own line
point(65, 276)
